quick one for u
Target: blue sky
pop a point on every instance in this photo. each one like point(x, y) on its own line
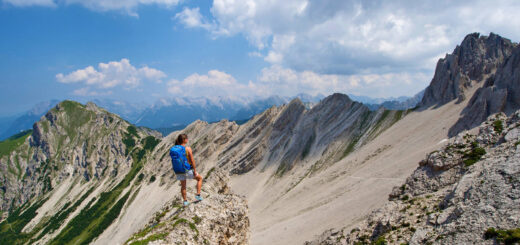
point(143, 50)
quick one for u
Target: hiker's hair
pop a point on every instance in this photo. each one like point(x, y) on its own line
point(180, 139)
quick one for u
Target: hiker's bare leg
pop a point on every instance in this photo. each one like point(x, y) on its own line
point(199, 183)
point(183, 189)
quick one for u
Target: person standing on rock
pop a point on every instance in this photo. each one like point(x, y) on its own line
point(183, 165)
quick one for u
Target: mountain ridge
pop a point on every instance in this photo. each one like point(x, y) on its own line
point(85, 175)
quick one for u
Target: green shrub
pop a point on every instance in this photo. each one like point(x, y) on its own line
point(490, 233)
point(511, 236)
point(473, 156)
point(498, 126)
point(140, 177)
point(197, 219)
point(380, 241)
point(128, 139)
point(150, 142)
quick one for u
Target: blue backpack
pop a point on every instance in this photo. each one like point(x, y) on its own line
point(179, 161)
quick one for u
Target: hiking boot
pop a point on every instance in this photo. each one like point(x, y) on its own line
point(186, 203)
point(198, 197)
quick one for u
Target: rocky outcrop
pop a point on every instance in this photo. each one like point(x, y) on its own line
point(455, 196)
point(500, 93)
point(471, 61)
point(221, 218)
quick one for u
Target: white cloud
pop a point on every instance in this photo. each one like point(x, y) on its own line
point(128, 6)
point(215, 83)
point(192, 18)
point(111, 74)
point(355, 36)
point(26, 3)
point(277, 80)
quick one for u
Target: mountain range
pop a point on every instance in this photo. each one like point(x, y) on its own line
point(330, 171)
point(165, 114)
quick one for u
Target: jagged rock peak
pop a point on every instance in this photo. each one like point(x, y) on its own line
point(500, 93)
point(474, 58)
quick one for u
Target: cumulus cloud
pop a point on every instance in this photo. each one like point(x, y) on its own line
point(282, 81)
point(215, 83)
point(109, 75)
point(355, 36)
point(128, 6)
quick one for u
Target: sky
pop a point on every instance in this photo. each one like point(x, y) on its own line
point(142, 50)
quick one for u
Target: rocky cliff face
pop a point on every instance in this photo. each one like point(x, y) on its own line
point(489, 63)
point(500, 93)
point(290, 135)
point(463, 193)
point(471, 62)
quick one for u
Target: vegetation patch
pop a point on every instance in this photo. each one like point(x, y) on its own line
point(93, 220)
point(140, 177)
point(154, 237)
point(11, 228)
point(498, 126)
point(13, 142)
point(350, 147)
point(473, 155)
point(75, 116)
point(129, 142)
point(197, 219)
point(280, 171)
point(308, 144)
point(139, 155)
point(57, 220)
point(150, 142)
point(511, 236)
point(209, 172)
point(380, 241)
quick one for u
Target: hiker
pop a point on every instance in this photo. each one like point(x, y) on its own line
point(184, 166)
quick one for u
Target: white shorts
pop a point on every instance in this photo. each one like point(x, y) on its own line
point(185, 176)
